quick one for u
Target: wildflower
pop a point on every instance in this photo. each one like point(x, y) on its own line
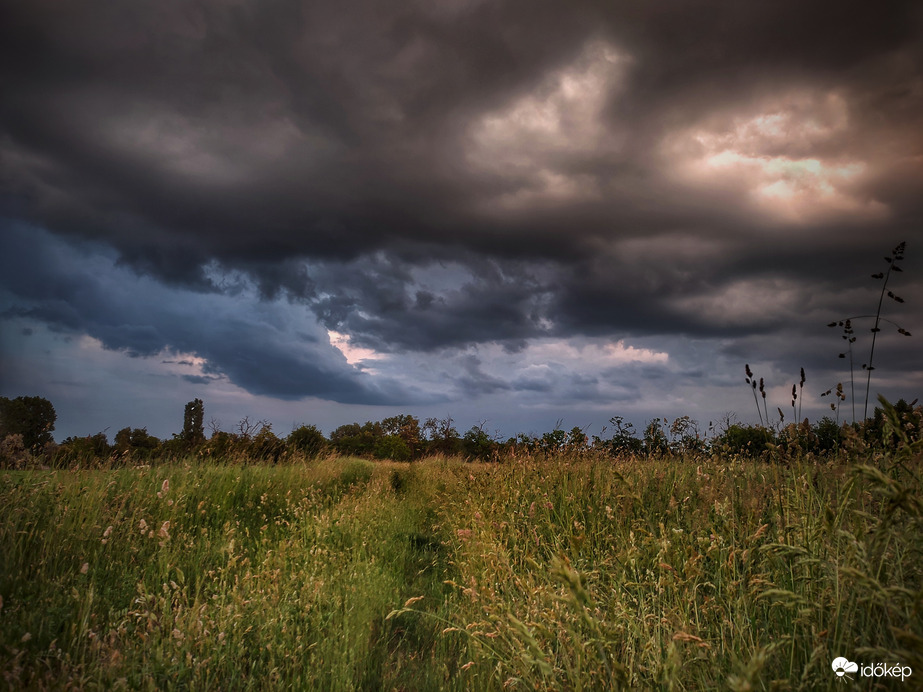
point(142, 525)
point(164, 530)
point(85, 568)
point(165, 488)
point(106, 534)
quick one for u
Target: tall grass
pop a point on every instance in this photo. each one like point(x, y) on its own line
point(670, 576)
point(561, 573)
point(234, 578)
point(896, 256)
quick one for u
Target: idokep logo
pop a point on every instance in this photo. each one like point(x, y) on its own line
point(842, 667)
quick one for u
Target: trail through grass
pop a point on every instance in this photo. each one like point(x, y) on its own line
point(562, 574)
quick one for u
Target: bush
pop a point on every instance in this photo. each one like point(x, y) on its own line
point(13, 452)
point(265, 446)
point(30, 417)
point(623, 442)
point(827, 435)
point(136, 443)
point(477, 444)
point(220, 446)
point(307, 440)
point(355, 439)
point(84, 451)
point(746, 440)
point(392, 447)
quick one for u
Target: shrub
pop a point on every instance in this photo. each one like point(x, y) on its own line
point(136, 443)
point(477, 444)
point(31, 417)
point(392, 447)
point(624, 441)
point(746, 440)
point(265, 446)
point(307, 440)
point(13, 452)
point(84, 451)
point(355, 439)
point(221, 445)
point(827, 435)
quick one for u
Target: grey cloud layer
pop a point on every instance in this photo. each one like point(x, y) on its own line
point(258, 346)
point(442, 175)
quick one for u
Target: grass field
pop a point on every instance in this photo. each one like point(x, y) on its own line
point(574, 574)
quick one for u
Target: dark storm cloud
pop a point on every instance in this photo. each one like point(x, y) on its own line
point(454, 173)
point(387, 306)
point(254, 346)
point(199, 379)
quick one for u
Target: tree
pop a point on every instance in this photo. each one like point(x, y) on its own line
point(442, 435)
point(355, 439)
point(577, 441)
point(477, 444)
point(266, 446)
point(392, 447)
point(308, 440)
point(874, 427)
point(554, 442)
point(136, 442)
point(33, 417)
point(684, 436)
point(407, 428)
point(85, 450)
point(624, 441)
point(828, 435)
point(744, 440)
point(193, 427)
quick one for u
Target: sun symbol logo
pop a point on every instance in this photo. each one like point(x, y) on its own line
point(841, 666)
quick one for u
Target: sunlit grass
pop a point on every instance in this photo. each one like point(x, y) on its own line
point(343, 574)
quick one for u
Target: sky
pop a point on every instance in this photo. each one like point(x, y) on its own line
point(517, 214)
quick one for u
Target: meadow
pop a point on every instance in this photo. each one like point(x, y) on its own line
point(575, 572)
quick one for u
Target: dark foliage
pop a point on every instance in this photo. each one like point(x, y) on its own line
point(307, 440)
point(33, 417)
point(193, 426)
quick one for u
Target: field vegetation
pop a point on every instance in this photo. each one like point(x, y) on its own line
point(744, 564)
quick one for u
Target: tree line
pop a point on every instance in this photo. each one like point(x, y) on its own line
point(27, 423)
